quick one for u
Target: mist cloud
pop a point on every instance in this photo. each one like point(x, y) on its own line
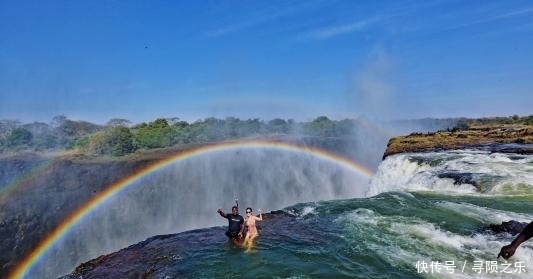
point(374, 87)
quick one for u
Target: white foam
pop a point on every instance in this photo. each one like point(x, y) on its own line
point(484, 214)
point(405, 172)
point(408, 240)
point(308, 210)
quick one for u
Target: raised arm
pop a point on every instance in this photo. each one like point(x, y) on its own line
point(222, 214)
point(260, 218)
point(508, 251)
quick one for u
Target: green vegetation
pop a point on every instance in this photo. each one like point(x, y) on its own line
point(19, 137)
point(118, 138)
point(465, 123)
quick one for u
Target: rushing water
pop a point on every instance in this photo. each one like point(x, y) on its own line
point(185, 194)
point(423, 217)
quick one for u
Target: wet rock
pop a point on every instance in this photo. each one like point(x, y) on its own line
point(512, 227)
point(460, 177)
point(177, 255)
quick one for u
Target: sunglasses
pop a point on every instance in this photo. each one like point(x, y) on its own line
point(248, 212)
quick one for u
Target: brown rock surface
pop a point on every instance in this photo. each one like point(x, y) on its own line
point(477, 135)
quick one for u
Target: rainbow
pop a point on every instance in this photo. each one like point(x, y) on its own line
point(24, 179)
point(14, 186)
point(34, 256)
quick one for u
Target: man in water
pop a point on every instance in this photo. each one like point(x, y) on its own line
point(235, 224)
point(508, 251)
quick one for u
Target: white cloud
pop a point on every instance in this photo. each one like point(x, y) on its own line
point(262, 13)
point(331, 31)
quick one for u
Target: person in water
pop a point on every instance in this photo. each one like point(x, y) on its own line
point(250, 225)
point(235, 224)
point(508, 251)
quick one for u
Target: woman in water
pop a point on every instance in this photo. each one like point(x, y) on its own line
point(252, 229)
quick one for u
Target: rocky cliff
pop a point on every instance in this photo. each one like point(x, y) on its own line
point(501, 138)
point(37, 191)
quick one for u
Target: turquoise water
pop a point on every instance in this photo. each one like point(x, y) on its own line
point(427, 227)
point(420, 216)
point(385, 236)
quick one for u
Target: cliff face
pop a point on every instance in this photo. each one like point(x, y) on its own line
point(493, 137)
point(38, 192)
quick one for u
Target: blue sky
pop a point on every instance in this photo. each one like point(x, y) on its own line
point(141, 60)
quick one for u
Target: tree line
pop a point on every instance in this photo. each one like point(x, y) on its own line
point(118, 137)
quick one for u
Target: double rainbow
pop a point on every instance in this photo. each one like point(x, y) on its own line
point(22, 269)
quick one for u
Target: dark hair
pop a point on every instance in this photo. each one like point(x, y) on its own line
point(249, 208)
point(234, 207)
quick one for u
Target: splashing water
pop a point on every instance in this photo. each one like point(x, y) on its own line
point(422, 216)
point(185, 195)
